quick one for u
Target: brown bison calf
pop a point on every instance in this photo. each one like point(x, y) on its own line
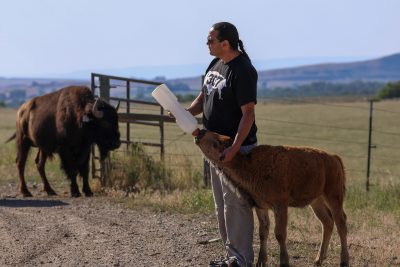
point(278, 177)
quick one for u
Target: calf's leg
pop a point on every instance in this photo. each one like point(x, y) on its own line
point(324, 215)
point(40, 160)
point(281, 218)
point(263, 221)
point(339, 216)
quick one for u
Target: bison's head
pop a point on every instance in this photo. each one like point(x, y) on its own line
point(212, 144)
point(107, 136)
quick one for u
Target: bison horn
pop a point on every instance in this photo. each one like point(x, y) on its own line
point(95, 110)
point(117, 106)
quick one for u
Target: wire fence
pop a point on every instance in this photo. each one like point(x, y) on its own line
point(350, 140)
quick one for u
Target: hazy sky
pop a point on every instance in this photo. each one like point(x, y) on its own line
point(61, 36)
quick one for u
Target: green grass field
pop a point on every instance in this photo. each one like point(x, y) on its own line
point(340, 127)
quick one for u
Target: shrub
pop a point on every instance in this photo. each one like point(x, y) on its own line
point(390, 90)
point(138, 171)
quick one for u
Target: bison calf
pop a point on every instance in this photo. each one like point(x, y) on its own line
point(66, 122)
point(278, 177)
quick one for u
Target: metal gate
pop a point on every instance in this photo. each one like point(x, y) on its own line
point(101, 86)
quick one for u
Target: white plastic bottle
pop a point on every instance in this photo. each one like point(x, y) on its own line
point(186, 121)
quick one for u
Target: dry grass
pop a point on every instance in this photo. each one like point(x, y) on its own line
point(373, 239)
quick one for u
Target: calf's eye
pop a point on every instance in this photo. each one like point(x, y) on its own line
point(215, 145)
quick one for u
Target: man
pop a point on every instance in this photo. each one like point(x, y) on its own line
point(228, 100)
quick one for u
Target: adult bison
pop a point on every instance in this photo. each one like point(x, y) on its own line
point(66, 122)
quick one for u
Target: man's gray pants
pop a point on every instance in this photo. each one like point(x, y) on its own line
point(235, 217)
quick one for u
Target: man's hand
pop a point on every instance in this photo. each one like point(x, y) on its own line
point(229, 153)
point(196, 132)
point(244, 128)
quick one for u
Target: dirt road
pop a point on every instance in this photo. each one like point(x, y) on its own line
point(92, 232)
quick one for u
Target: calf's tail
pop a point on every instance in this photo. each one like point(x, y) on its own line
point(343, 174)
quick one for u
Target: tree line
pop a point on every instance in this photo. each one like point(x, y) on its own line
point(377, 90)
point(355, 88)
point(390, 90)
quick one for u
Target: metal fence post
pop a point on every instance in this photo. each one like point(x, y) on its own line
point(105, 95)
point(105, 88)
point(162, 151)
point(128, 111)
point(371, 107)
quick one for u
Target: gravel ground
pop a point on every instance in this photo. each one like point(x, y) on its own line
point(61, 231)
point(64, 231)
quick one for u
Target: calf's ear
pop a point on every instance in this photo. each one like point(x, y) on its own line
point(227, 142)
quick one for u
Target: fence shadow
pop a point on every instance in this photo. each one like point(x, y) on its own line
point(31, 203)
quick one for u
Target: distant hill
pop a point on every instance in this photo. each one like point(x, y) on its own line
point(14, 91)
point(381, 70)
point(377, 70)
point(45, 84)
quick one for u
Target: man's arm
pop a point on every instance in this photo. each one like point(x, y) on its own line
point(197, 105)
point(248, 117)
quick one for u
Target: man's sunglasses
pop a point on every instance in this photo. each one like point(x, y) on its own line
point(211, 41)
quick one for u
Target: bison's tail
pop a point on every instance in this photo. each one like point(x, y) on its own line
point(11, 138)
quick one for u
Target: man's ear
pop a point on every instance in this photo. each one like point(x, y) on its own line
point(225, 44)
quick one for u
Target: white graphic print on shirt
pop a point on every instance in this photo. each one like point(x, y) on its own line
point(214, 81)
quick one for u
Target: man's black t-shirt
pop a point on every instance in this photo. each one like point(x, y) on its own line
point(226, 88)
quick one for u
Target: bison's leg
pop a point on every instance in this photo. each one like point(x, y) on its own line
point(263, 221)
point(339, 216)
point(74, 186)
point(84, 172)
point(71, 170)
point(22, 153)
point(40, 160)
point(324, 215)
point(280, 212)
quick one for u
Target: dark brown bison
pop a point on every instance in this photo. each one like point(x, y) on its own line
point(278, 177)
point(66, 122)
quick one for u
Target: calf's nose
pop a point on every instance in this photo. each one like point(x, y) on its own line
point(199, 136)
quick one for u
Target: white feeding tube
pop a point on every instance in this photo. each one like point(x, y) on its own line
point(186, 121)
